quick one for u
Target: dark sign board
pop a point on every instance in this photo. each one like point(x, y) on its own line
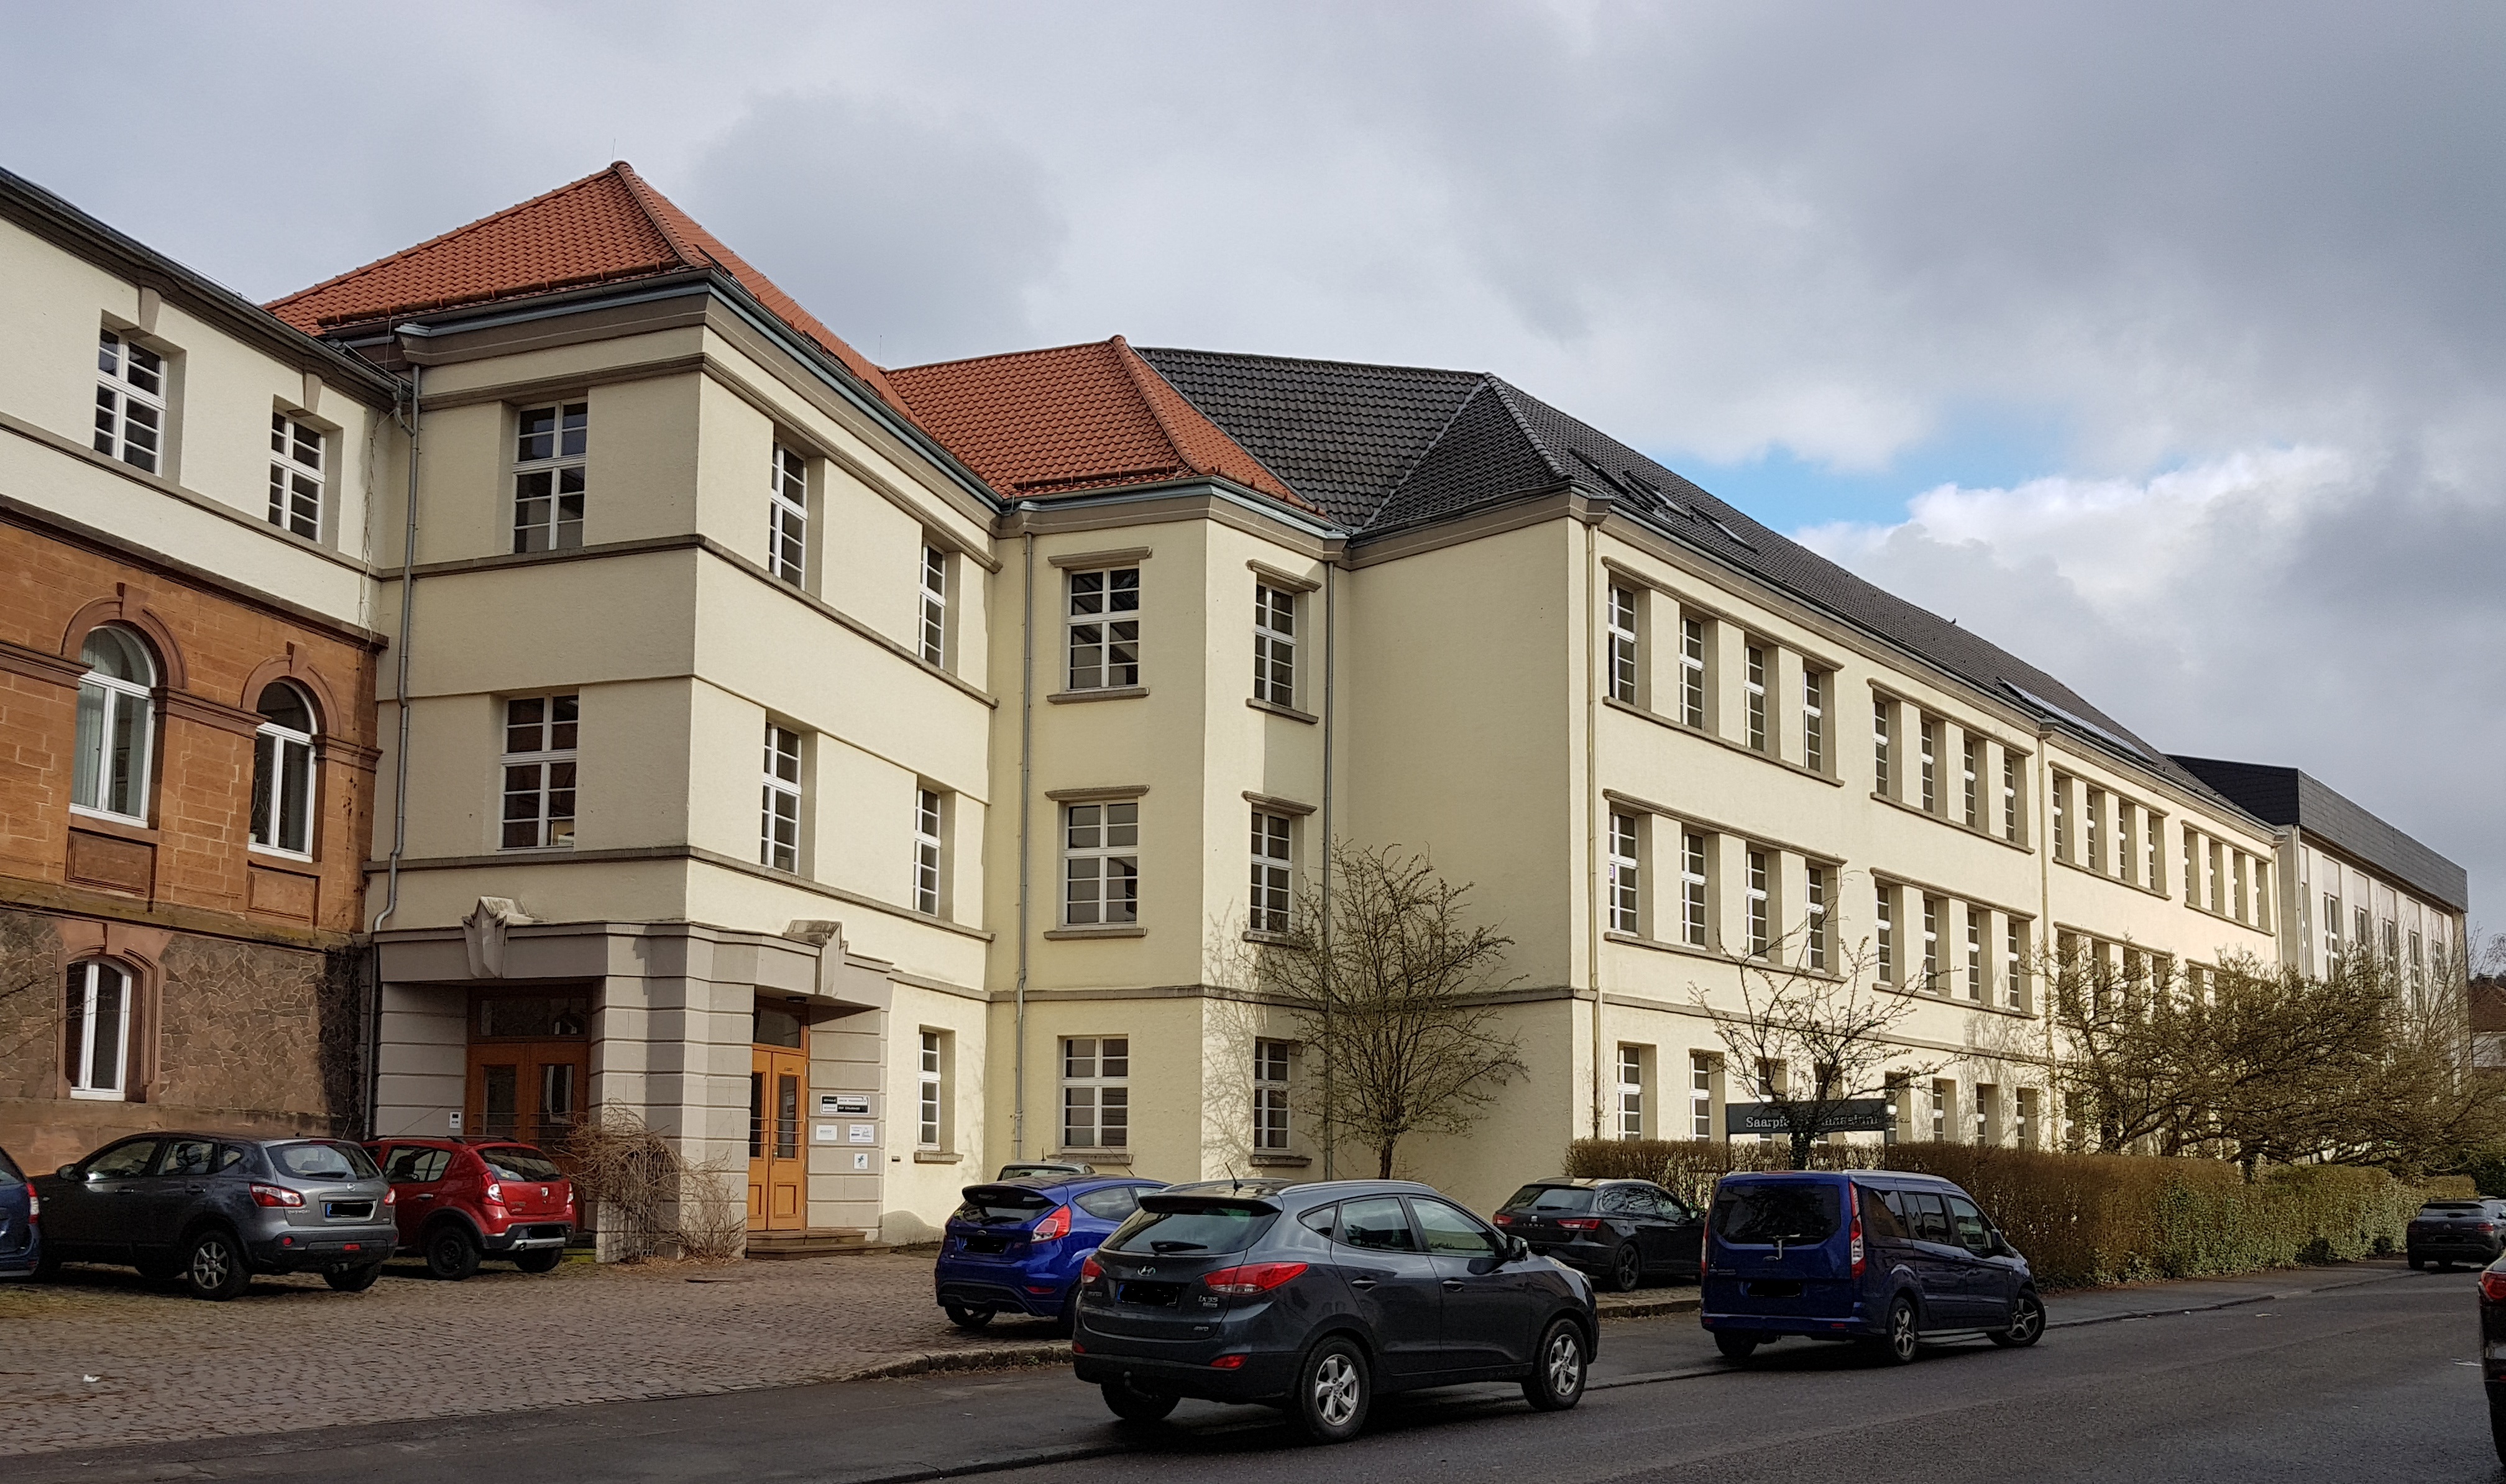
point(1855, 1116)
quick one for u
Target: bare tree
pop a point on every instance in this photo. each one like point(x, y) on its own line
point(1389, 991)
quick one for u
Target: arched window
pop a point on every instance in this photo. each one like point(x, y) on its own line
point(95, 1051)
point(116, 724)
point(282, 773)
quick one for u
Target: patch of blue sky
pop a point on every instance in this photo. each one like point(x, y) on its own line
point(1980, 448)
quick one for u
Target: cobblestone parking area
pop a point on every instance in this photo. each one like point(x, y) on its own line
point(104, 1357)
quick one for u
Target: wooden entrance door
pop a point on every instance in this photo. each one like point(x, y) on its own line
point(779, 1095)
point(530, 1090)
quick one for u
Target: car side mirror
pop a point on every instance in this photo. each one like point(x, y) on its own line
point(2001, 1246)
point(1517, 1248)
point(70, 1171)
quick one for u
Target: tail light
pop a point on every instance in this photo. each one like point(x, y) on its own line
point(34, 1203)
point(1504, 1218)
point(391, 1195)
point(1091, 1270)
point(274, 1195)
point(1055, 1226)
point(1854, 1193)
point(2492, 1285)
point(1252, 1277)
point(1580, 1223)
point(1228, 1362)
point(2486, 1227)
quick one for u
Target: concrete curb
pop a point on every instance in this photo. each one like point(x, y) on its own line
point(1018, 1354)
point(2226, 1303)
point(1616, 1307)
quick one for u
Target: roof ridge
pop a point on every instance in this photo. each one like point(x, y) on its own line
point(642, 192)
point(1140, 371)
point(1428, 450)
point(1005, 355)
point(1507, 393)
point(1255, 355)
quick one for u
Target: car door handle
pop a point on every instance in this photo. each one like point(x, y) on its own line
point(1361, 1284)
point(1452, 1285)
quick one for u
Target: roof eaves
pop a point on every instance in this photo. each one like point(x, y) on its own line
point(1261, 503)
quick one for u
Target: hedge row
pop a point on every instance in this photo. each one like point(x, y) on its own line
point(2086, 1219)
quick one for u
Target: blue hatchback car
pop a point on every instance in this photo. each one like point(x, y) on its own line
point(1886, 1257)
point(1015, 1246)
point(21, 1236)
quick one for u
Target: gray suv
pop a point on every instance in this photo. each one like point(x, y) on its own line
point(214, 1208)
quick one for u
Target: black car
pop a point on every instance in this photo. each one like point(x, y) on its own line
point(1621, 1231)
point(215, 1208)
point(2447, 1232)
point(1315, 1297)
point(2493, 1350)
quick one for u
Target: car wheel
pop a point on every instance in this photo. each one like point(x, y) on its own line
point(214, 1267)
point(1130, 1404)
point(1627, 1268)
point(353, 1279)
point(1333, 1391)
point(1904, 1339)
point(2026, 1323)
point(1557, 1379)
point(451, 1253)
point(1068, 1320)
point(965, 1318)
point(1737, 1344)
point(544, 1260)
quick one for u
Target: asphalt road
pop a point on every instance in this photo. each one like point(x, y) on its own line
point(2357, 1380)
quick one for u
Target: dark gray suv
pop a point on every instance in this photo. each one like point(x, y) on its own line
point(215, 1208)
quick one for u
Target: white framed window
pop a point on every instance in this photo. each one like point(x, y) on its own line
point(1883, 747)
point(282, 773)
point(929, 852)
point(1270, 1096)
point(2193, 869)
point(1096, 1092)
point(2092, 809)
point(1759, 936)
point(2219, 888)
point(1754, 682)
point(2152, 837)
point(1814, 720)
point(1943, 1097)
point(1928, 741)
point(778, 828)
point(130, 402)
point(1970, 761)
point(95, 1042)
point(2331, 921)
point(1105, 629)
point(1626, 864)
point(541, 732)
point(1692, 671)
point(1632, 1091)
point(1100, 865)
point(2125, 858)
point(1931, 945)
point(2014, 976)
point(931, 1080)
point(2062, 818)
point(117, 725)
point(1884, 910)
point(1814, 879)
point(1693, 925)
point(1625, 652)
point(1700, 1095)
point(2010, 798)
point(1273, 864)
point(1275, 645)
point(935, 605)
point(787, 516)
point(2262, 917)
point(550, 446)
point(1977, 919)
point(295, 477)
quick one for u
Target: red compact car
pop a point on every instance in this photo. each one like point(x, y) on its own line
point(460, 1202)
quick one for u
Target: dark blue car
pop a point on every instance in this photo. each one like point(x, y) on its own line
point(1891, 1259)
point(21, 1236)
point(1015, 1246)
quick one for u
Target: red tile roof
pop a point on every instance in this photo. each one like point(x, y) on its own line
point(1040, 423)
point(606, 228)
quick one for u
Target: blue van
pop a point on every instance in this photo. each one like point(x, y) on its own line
point(21, 1233)
point(1884, 1257)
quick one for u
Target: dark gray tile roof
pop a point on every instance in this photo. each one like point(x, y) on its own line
point(1387, 449)
point(2286, 796)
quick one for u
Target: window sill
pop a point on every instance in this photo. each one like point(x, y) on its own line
point(1277, 710)
point(1691, 950)
point(937, 1156)
point(1064, 934)
point(2134, 886)
point(1703, 735)
point(274, 856)
point(1103, 693)
point(1281, 1161)
point(120, 826)
point(89, 1095)
point(1960, 826)
point(1275, 939)
point(1929, 997)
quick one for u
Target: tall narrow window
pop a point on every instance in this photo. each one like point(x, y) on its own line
point(2010, 798)
point(927, 1135)
point(1759, 935)
point(2237, 895)
point(295, 477)
point(2362, 936)
point(1931, 945)
point(928, 852)
point(1970, 762)
point(1882, 748)
point(1692, 889)
point(1814, 920)
point(787, 516)
point(2262, 895)
point(935, 605)
point(778, 840)
point(2330, 930)
point(1624, 654)
point(1700, 1095)
point(1270, 1096)
point(1626, 901)
point(1756, 684)
point(2193, 869)
point(1275, 645)
point(2062, 818)
point(2218, 896)
point(1631, 1108)
point(282, 773)
point(2126, 860)
point(1105, 629)
point(117, 725)
point(1976, 919)
point(540, 734)
point(1883, 909)
point(1814, 720)
point(1100, 865)
point(1270, 872)
point(130, 402)
point(95, 1045)
point(2014, 967)
point(1928, 739)
point(1692, 671)
point(2152, 837)
point(2092, 809)
point(550, 447)
point(1096, 1092)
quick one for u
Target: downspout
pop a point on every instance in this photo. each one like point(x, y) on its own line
point(1591, 818)
point(1331, 631)
point(399, 765)
point(1026, 788)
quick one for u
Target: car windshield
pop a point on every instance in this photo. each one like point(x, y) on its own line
point(1212, 1229)
point(1769, 1211)
point(511, 1161)
point(322, 1161)
point(991, 1205)
point(1565, 1198)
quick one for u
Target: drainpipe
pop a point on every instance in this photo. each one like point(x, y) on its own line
point(1331, 630)
point(1026, 787)
point(1591, 816)
point(399, 766)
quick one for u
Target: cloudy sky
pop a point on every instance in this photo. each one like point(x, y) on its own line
point(2161, 343)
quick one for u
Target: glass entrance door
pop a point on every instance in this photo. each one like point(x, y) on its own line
point(778, 1090)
